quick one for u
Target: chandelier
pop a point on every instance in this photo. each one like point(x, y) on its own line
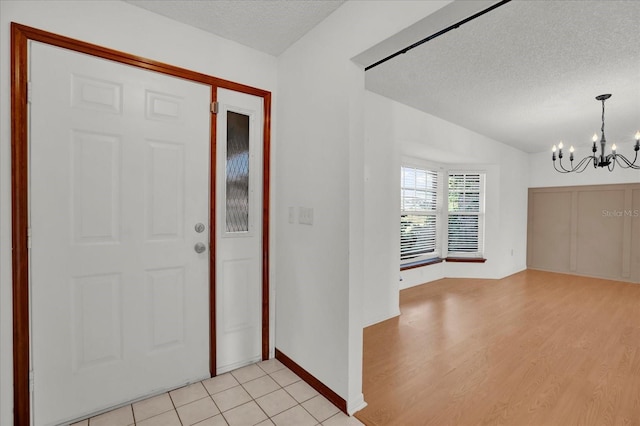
point(609, 161)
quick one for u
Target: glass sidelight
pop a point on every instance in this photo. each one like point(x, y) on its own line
point(237, 173)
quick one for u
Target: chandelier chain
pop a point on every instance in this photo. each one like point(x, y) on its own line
point(602, 129)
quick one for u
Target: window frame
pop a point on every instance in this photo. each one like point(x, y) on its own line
point(480, 214)
point(434, 255)
point(442, 253)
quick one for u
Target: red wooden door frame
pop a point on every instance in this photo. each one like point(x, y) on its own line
point(20, 36)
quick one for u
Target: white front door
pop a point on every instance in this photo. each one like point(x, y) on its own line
point(239, 230)
point(119, 178)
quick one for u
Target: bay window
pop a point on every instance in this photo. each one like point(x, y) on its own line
point(429, 232)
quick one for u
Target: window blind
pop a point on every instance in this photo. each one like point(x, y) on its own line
point(419, 213)
point(465, 222)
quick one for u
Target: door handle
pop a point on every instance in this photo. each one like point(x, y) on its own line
point(199, 248)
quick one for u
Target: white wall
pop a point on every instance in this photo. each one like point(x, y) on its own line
point(321, 160)
point(394, 130)
point(542, 174)
point(320, 268)
point(382, 225)
point(123, 27)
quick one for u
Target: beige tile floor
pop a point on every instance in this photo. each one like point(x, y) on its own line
point(266, 393)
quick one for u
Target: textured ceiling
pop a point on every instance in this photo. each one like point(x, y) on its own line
point(270, 26)
point(525, 74)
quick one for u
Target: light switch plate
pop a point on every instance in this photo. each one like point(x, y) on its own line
point(305, 215)
point(292, 215)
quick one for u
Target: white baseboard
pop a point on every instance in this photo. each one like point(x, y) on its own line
point(356, 405)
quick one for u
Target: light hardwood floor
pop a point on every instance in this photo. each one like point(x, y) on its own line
point(535, 348)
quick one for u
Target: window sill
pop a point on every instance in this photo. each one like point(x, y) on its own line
point(420, 263)
point(466, 259)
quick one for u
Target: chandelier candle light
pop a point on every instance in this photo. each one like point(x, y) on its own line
point(609, 161)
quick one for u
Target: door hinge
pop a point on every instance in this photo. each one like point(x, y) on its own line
point(214, 107)
point(31, 380)
point(28, 238)
point(29, 91)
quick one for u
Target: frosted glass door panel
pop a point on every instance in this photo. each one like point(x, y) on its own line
point(237, 172)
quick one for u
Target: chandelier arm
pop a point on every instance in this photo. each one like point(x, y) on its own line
point(583, 164)
point(562, 170)
point(629, 164)
point(562, 166)
point(578, 168)
point(608, 160)
point(632, 164)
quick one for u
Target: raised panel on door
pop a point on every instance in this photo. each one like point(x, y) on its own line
point(550, 217)
point(119, 174)
point(599, 238)
point(635, 231)
point(166, 308)
point(97, 318)
point(95, 187)
point(165, 190)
